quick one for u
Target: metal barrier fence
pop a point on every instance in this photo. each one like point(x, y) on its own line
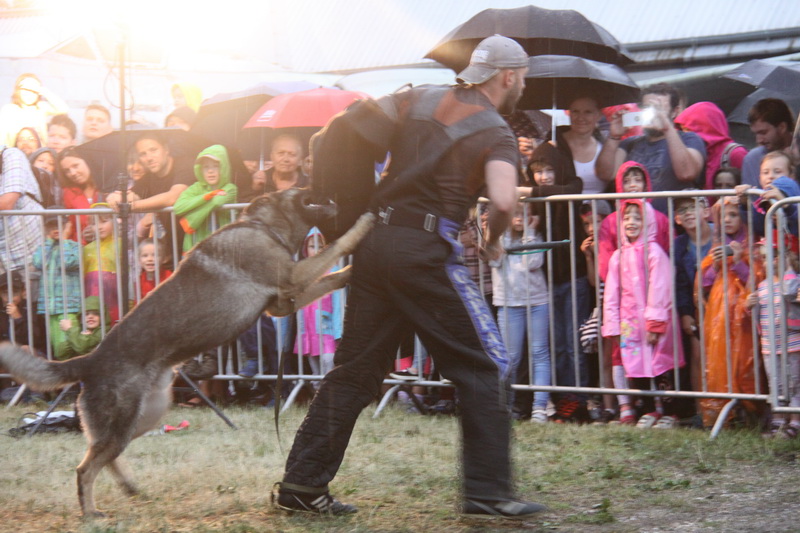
point(698, 360)
point(230, 361)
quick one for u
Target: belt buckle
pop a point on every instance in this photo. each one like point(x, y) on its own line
point(385, 215)
point(430, 223)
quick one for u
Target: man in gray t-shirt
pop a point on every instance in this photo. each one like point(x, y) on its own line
point(673, 158)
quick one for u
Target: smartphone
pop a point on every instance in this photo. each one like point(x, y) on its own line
point(632, 119)
point(639, 118)
point(727, 250)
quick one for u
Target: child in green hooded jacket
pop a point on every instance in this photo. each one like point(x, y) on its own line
point(213, 189)
point(82, 340)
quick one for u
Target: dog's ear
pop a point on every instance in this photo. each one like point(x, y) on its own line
point(256, 204)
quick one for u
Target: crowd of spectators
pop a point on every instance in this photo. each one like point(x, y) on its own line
point(61, 284)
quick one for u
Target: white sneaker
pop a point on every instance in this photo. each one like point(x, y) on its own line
point(539, 416)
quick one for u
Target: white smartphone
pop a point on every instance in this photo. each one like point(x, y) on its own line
point(632, 119)
point(638, 118)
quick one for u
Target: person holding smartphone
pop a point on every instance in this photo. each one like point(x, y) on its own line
point(674, 159)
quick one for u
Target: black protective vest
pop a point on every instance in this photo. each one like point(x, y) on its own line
point(351, 143)
point(418, 148)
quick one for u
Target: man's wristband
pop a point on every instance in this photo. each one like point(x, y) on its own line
point(617, 138)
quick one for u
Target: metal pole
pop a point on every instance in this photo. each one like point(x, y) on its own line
point(122, 182)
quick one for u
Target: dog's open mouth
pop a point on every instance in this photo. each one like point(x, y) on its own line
point(312, 202)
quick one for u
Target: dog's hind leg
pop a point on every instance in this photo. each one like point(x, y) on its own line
point(108, 431)
point(100, 454)
point(123, 476)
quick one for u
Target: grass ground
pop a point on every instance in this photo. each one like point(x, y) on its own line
point(401, 471)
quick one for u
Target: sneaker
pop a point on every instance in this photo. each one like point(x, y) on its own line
point(513, 509)
point(404, 375)
point(606, 416)
point(539, 416)
point(570, 409)
point(773, 430)
point(788, 432)
point(519, 415)
point(444, 407)
point(309, 500)
point(249, 369)
point(666, 422)
point(647, 421)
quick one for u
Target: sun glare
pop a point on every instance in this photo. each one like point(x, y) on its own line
point(176, 27)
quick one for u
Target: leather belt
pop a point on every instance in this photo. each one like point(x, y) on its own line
point(393, 217)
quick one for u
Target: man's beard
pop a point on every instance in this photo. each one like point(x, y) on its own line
point(509, 103)
point(652, 132)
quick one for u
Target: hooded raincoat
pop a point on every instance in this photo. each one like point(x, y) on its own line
point(789, 187)
point(608, 239)
point(642, 303)
point(709, 122)
point(79, 341)
point(727, 302)
point(196, 203)
point(321, 321)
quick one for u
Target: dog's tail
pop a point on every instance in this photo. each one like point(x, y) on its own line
point(36, 372)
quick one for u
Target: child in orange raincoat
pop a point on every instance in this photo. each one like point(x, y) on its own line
point(725, 273)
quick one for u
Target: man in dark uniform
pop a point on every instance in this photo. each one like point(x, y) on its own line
point(450, 146)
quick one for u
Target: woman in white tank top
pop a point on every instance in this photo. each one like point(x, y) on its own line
point(585, 147)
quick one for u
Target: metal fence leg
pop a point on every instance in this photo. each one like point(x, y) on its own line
point(293, 395)
point(50, 409)
point(723, 416)
point(386, 399)
point(17, 396)
point(205, 398)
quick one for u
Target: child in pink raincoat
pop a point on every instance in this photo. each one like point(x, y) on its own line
point(631, 177)
point(320, 322)
point(639, 311)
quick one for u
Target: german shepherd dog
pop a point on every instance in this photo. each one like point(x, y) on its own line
point(218, 291)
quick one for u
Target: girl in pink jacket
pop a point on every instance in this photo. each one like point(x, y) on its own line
point(637, 308)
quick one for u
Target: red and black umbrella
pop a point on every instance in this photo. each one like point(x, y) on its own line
point(303, 109)
point(221, 118)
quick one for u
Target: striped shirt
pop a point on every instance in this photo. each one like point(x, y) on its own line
point(19, 235)
point(764, 319)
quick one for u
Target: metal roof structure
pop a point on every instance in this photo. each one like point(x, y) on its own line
point(325, 36)
point(357, 41)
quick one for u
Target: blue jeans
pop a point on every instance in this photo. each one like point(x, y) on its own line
point(512, 323)
point(568, 355)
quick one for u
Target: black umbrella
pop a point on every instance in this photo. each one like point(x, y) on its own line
point(104, 155)
point(758, 79)
point(780, 76)
point(540, 31)
point(554, 81)
point(221, 118)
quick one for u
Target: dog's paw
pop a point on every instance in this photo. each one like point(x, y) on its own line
point(344, 275)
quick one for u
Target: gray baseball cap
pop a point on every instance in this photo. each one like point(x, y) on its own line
point(490, 56)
